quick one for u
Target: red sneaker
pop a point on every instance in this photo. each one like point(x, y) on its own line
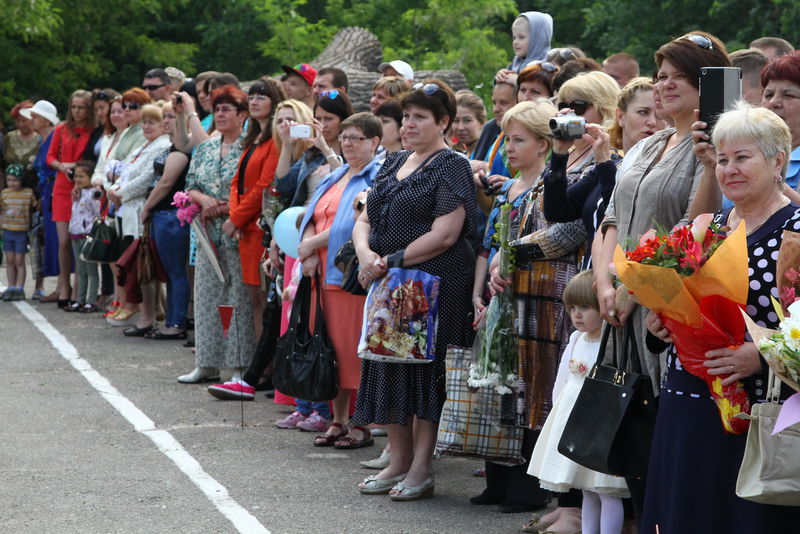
point(232, 391)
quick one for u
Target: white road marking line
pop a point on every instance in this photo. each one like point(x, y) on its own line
point(163, 440)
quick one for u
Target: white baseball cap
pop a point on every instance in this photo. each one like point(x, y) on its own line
point(402, 67)
point(44, 109)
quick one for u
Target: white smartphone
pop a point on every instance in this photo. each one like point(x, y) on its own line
point(300, 131)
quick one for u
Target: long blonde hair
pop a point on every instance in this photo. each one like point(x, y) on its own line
point(302, 115)
point(629, 92)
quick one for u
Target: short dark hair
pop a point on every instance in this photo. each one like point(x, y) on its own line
point(531, 73)
point(161, 74)
point(273, 90)
point(786, 67)
point(229, 94)
point(339, 105)
point(338, 75)
point(441, 103)
point(572, 68)
point(752, 61)
point(221, 79)
point(86, 164)
point(689, 57)
point(366, 122)
point(391, 108)
point(782, 46)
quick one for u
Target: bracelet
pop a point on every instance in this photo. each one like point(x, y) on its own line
point(194, 114)
point(331, 155)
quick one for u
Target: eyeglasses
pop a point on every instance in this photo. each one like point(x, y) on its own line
point(332, 94)
point(350, 138)
point(578, 106)
point(700, 40)
point(131, 105)
point(224, 109)
point(541, 65)
point(150, 87)
point(427, 88)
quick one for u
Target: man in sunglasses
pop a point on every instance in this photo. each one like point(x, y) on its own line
point(157, 84)
point(329, 79)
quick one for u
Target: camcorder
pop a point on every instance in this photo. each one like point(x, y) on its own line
point(569, 126)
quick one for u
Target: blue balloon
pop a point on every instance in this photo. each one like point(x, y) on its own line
point(286, 231)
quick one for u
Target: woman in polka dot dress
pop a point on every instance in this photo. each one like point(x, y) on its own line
point(419, 212)
point(694, 463)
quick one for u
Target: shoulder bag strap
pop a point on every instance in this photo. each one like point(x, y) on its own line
point(300, 306)
point(320, 328)
point(608, 330)
point(428, 160)
point(630, 351)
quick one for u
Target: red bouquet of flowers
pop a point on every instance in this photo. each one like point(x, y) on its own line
point(696, 279)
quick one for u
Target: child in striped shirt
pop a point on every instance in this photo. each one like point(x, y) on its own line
point(17, 205)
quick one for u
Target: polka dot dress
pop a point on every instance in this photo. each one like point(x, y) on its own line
point(400, 211)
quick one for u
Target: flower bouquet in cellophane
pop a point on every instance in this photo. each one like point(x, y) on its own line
point(781, 348)
point(695, 278)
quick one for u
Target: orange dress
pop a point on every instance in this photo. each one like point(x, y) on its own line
point(343, 311)
point(245, 207)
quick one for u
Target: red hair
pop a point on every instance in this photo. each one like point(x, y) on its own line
point(229, 94)
point(137, 95)
point(22, 105)
point(785, 67)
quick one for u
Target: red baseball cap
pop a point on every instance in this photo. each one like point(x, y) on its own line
point(304, 70)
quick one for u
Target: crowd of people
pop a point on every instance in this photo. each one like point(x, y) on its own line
point(421, 182)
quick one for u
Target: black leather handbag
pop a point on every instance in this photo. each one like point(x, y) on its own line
point(611, 425)
point(102, 245)
point(305, 362)
point(347, 262)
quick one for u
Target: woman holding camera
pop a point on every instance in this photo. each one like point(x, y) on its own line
point(592, 96)
point(70, 139)
point(657, 190)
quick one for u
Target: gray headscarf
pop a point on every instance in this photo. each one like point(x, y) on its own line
point(540, 26)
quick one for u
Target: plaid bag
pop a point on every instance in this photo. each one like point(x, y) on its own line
point(470, 423)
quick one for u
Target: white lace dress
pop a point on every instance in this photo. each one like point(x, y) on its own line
point(555, 471)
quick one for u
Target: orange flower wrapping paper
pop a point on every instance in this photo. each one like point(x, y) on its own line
point(702, 313)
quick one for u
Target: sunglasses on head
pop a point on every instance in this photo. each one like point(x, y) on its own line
point(131, 105)
point(578, 106)
point(427, 88)
point(102, 95)
point(700, 40)
point(150, 87)
point(332, 94)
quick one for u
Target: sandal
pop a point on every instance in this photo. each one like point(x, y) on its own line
point(412, 493)
point(326, 440)
point(374, 486)
point(89, 308)
point(348, 442)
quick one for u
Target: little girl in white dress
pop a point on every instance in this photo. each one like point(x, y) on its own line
point(602, 511)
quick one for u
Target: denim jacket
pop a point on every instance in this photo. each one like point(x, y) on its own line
point(293, 186)
point(343, 222)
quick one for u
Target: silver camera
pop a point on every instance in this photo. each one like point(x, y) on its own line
point(569, 126)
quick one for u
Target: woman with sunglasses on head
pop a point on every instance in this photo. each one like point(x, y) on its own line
point(69, 141)
point(581, 176)
point(256, 172)
point(208, 183)
point(101, 101)
point(327, 225)
point(418, 215)
point(657, 190)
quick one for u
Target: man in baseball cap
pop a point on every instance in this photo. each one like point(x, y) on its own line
point(299, 82)
point(397, 68)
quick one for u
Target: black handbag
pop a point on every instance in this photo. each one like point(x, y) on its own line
point(611, 425)
point(305, 362)
point(102, 243)
point(347, 261)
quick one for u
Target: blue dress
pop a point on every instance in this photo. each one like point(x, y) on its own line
point(47, 177)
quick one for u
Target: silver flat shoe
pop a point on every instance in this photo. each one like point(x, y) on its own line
point(412, 493)
point(381, 462)
point(200, 374)
point(373, 486)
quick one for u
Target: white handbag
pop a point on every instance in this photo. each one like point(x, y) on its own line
point(770, 470)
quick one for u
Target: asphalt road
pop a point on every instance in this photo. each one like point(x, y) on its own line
point(98, 437)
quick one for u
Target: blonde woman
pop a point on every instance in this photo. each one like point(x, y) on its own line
point(635, 118)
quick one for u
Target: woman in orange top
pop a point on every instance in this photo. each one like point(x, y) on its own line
point(69, 141)
point(255, 173)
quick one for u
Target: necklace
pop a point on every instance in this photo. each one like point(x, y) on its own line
point(770, 212)
point(580, 156)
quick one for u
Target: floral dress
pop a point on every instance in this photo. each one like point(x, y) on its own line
point(212, 175)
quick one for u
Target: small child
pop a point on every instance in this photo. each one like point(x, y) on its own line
point(17, 204)
point(602, 494)
point(530, 33)
point(85, 209)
